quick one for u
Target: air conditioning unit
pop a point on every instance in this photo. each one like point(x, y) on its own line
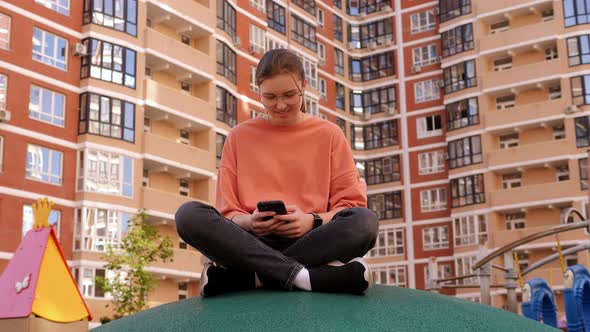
point(367, 116)
point(373, 45)
point(415, 69)
point(436, 11)
point(237, 42)
point(79, 49)
point(387, 8)
point(439, 83)
point(571, 109)
point(437, 59)
point(4, 115)
point(391, 110)
point(253, 49)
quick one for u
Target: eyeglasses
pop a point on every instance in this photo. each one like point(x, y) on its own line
point(290, 98)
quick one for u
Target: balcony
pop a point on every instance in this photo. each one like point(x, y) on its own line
point(179, 155)
point(535, 72)
point(184, 261)
point(185, 106)
point(552, 191)
point(172, 56)
point(501, 6)
point(163, 201)
point(499, 238)
point(525, 112)
point(183, 15)
point(549, 150)
point(518, 36)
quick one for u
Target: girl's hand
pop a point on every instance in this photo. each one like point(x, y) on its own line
point(261, 227)
point(296, 222)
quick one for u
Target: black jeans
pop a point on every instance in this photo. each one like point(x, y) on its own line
point(351, 233)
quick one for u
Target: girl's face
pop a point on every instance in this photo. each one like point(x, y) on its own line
point(282, 97)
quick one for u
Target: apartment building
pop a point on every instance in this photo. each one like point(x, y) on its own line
point(466, 119)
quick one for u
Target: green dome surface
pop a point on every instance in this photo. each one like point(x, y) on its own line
point(384, 308)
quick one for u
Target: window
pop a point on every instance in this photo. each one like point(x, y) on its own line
point(460, 76)
point(258, 5)
point(444, 272)
point(503, 64)
point(257, 39)
point(505, 102)
point(583, 166)
point(339, 61)
point(365, 7)
point(509, 141)
point(1, 152)
point(303, 33)
point(87, 282)
point(340, 122)
point(373, 101)
point(576, 12)
point(47, 106)
point(582, 131)
point(253, 85)
point(371, 67)
point(321, 53)
point(320, 17)
point(457, 40)
point(226, 62)
point(425, 55)
point(184, 187)
point(98, 229)
point(340, 95)
point(105, 172)
point(500, 27)
point(551, 53)
point(390, 242)
point(311, 106)
point(227, 107)
point(50, 49)
point(429, 126)
point(145, 181)
point(106, 116)
point(515, 220)
point(558, 132)
point(470, 230)
point(463, 268)
point(390, 275)
point(3, 88)
point(120, 15)
point(375, 135)
point(226, 17)
point(307, 5)
point(426, 91)
point(554, 92)
point(275, 16)
point(450, 9)
point(467, 190)
point(562, 173)
point(512, 180)
point(386, 205)
point(380, 170)
point(337, 3)
point(44, 164)
point(311, 70)
point(182, 290)
point(4, 31)
point(578, 50)
point(29, 220)
point(338, 27)
point(433, 200)
point(184, 137)
point(462, 113)
point(431, 162)
point(60, 6)
point(219, 143)
point(435, 237)
point(465, 151)
point(323, 87)
point(422, 21)
point(370, 35)
point(109, 62)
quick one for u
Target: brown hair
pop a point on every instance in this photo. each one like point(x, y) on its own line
point(280, 61)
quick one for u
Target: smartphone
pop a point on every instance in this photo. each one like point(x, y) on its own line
point(276, 206)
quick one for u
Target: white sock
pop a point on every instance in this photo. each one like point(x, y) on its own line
point(258, 282)
point(302, 280)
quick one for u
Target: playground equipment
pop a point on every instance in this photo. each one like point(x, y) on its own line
point(577, 298)
point(37, 291)
point(539, 302)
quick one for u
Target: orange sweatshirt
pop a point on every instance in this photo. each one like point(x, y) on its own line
point(309, 164)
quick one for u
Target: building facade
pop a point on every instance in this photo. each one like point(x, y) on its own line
point(466, 119)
